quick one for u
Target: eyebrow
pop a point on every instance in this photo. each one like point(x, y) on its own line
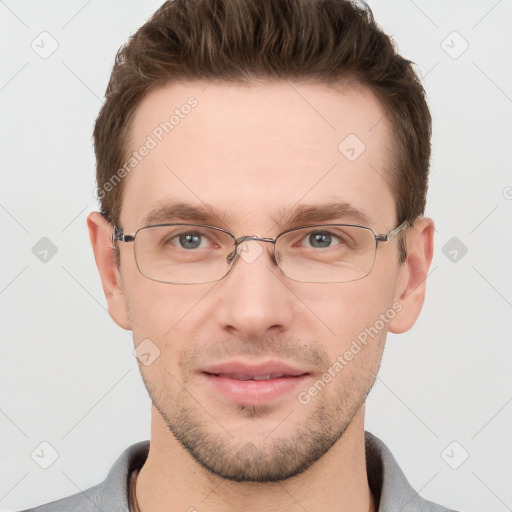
point(299, 215)
point(181, 211)
point(329, 212)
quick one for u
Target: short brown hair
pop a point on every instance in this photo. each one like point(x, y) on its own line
point(327, 41)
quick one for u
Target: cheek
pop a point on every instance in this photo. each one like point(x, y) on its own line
point(346, 309)
point(163, 320)
point(356, 316)
point(164, 312)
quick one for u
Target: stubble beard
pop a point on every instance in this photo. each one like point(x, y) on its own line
point(266, 457)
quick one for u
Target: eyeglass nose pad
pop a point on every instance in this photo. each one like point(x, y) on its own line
point(236, 252)
point(276, 258)
point(231, 256)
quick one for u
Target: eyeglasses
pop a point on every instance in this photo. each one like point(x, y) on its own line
point(197, 253)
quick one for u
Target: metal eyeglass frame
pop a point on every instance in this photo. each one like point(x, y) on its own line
point(120, 236)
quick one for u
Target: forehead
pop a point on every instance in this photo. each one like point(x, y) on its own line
point(255, 152)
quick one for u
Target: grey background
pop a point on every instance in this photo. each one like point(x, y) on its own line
point(68, 375)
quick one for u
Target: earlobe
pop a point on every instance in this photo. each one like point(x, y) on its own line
point(411, 285)
point(100, 234)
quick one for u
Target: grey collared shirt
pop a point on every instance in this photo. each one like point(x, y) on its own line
point(390, 488)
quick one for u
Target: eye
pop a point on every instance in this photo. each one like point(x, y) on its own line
point(321, 239)
point(189, 240)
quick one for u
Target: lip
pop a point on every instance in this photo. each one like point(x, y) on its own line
point(236, 380)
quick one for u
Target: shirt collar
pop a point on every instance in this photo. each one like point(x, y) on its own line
point(389, 486)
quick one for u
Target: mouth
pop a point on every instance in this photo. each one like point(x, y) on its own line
point(247, 377)
point(254, 384)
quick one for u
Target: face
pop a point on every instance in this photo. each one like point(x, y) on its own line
point(252, 157)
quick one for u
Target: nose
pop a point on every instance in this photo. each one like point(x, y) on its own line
point(254, 300)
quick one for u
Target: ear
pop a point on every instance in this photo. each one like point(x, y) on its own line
point(100, 233)
point(411, 283)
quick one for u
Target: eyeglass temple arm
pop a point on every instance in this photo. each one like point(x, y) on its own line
point(384, 238)
point(119, 236)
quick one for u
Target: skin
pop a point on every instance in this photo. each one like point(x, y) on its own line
point(253, 152)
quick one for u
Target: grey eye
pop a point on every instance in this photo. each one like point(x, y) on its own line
point(320, 239)
point(190, 240)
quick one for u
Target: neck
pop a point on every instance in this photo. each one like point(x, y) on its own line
point(171, 480)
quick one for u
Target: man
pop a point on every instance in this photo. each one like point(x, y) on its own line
point(262, 170)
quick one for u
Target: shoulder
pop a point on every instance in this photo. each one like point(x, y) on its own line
point(86, 501)
point(111, 494)
point(388, 483)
